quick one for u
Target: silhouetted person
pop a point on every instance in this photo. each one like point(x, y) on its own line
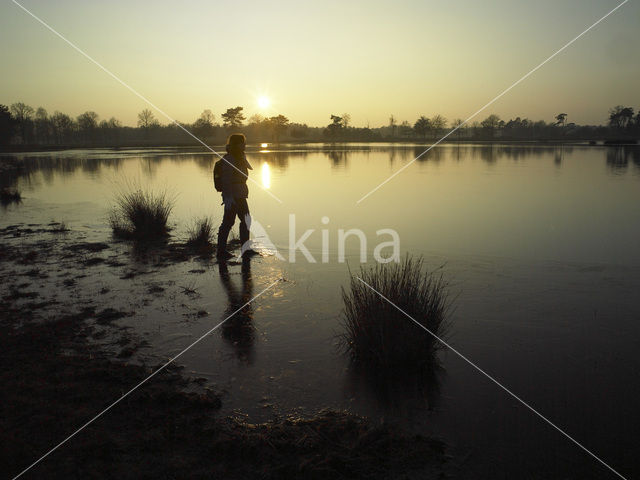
point(238, 330)
point(235, 171)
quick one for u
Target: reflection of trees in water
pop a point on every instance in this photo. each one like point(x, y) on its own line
point(459, 153)
point(275, 159)
point(404, 154)
point(26, 168)
point(9, 171)
point(492, 153)
point(204, 162)
point(281, 159)
point(238, 330)
point(618, 158)
point(489, 154)
point(558, 156)
point(433, 155)
point(634, 153)
point(339, 158)
point(149, 166)
point(398, 391)
point(392, 156)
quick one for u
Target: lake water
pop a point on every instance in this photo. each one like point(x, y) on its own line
point(540, 245)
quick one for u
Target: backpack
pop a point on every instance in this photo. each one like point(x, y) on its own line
point(217, 175)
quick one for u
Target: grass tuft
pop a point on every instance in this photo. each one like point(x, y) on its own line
point(9, 196)
point(141, 215)
point(201, 234)
point(377, 335)
point(59, 227)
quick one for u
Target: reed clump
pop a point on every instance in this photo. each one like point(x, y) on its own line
point(141, 215)
point(200, 234)
point(9, 196)
point(377, 334)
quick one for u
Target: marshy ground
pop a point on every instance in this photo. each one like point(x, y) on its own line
point(68, 352)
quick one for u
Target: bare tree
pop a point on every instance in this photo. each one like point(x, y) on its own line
point(87, 125)
point(87, 121)
point(491, 124)
point(405, 129)
point(208, 117)
point(346, 120)
point(23, 113)
point(7, 125)
point(458, 124)
point(256, 119)
point(42, 126)
point(438, 122)
point(393, 124)
point(114, 123)
point(203, 126)
point(620, 117)
point(62, 125)
point(146, 119)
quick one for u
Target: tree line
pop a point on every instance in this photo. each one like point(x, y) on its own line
point(21, 124)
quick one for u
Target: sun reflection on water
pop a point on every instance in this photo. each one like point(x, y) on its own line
point(266, 175)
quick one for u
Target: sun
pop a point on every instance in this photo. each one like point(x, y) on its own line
point(263, 101)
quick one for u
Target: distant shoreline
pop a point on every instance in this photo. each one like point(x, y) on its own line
point(45, 148)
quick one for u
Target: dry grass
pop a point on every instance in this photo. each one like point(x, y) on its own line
point(141, 215)
point(59, 227)
point(377, 335)
point(201, 234)
point(10, 195)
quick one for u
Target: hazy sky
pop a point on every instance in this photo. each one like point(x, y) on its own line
point(313, 59)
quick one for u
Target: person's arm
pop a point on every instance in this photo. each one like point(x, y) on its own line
point(226, 180)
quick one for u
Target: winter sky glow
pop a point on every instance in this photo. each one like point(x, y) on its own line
point(308, 60)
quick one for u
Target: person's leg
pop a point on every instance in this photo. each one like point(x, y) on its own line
point(245, 219)
point(228, 220)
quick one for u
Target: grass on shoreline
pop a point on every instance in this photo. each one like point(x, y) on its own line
point(9, 196)
point(200, 234)
point(377, 335)
point(141, 215)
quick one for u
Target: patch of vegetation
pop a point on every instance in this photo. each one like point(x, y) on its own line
point(378, 335)
point(201, 234)
point(141, 215)
point(9, 196)
point(59, 227)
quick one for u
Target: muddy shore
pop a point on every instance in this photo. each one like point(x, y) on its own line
point(66, 354)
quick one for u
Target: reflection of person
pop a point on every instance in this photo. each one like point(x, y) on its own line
point(235, 171)
point(238, 330)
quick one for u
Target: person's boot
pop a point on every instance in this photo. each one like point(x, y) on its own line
point(223, 255)
point(245, 244)
point(221, 249)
